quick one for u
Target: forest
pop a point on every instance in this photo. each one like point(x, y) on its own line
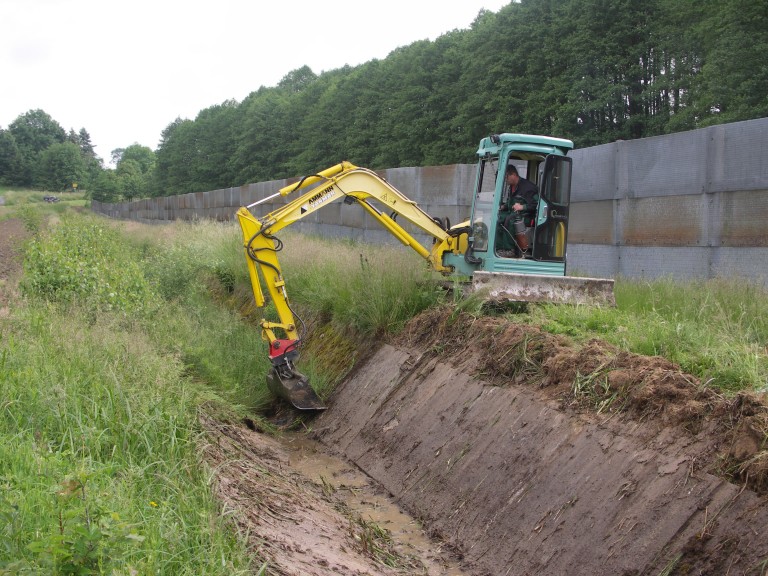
point(594, 71)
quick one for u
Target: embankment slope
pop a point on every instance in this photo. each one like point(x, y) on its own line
point(476, 427)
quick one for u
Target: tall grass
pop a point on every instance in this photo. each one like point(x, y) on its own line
point(372, 290)
point(715, 329)
point(98, 453)
point(99, 440)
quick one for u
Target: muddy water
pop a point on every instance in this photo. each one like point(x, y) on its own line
point(361, 495)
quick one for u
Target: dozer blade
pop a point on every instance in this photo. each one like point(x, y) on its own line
point(295, 389)
point(504, 287)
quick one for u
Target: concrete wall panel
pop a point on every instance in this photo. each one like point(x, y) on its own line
point(594, 173)
point(595, 260)
point(437, 185)
point(591, 222)
point(743, 218)
point(670, 221)
point(665, 165)
point(657, 262)
point(750, 263)
point(693, 204)
point(738, 154)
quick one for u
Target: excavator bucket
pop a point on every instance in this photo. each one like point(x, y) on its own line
point(294, 387)
point(504, 287)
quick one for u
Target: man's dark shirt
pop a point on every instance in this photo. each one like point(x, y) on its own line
point(526, 191)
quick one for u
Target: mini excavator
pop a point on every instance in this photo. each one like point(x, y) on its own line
point(501, 254)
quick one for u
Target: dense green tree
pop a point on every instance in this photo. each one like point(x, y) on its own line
point(10, 159)
point(174, 158)
point(734, 75)
point(132, 181)
point(106, 187)
point(142, 155)
point(297, 80)
point(34, 132)
point(60, 166)
point(83, 140)
point(215, 146)
point(263, 141)
point(590, 70)
point(115, 155)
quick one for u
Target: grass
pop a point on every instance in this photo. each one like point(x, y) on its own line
point(372, 290)
point(99, 439)
point(714, 329)
point(100, 467)
point(127, 330)
point(16, 201)
point(376, 542)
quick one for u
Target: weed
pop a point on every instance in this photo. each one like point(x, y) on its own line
point(594, 390)
point(32, 219)
point(671, 565)
point(328, 488)
point(376, 542)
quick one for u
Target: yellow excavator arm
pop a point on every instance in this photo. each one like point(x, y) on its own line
point(351, 184)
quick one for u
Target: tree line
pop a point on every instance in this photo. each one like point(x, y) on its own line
point(593, 71)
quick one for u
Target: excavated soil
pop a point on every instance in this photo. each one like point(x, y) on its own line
point(518, 452)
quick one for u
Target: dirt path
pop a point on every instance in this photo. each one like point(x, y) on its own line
point(12, 235)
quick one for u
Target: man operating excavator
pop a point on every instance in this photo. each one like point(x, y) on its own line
point(517, 212)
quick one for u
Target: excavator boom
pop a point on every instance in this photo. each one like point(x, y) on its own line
point(524, 264)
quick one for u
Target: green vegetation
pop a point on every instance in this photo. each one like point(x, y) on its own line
point(716, 330)
point(588, 70)
point(25, 204)
point(126, 331)
point(102, 379)
point(366, 289)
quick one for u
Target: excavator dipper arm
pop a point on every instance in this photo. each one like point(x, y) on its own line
point(346, 182)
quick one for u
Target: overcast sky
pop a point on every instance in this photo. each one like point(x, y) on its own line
point(125, 70)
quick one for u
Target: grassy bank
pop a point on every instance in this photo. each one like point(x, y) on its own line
point(716, 330)
point(31, 204)
point(103, 369)
point(127, 331)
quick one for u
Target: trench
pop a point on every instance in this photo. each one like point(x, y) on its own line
point(516, 484)
point(367, 499)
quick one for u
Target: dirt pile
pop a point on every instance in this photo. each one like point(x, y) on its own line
point(601, 379)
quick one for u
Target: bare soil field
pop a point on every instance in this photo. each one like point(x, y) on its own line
point(518, 453)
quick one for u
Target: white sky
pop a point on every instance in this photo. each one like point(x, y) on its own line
point(125, 70)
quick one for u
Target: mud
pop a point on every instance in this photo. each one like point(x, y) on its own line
point(304, 523)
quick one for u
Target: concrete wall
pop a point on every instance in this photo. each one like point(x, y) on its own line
point(686, 205)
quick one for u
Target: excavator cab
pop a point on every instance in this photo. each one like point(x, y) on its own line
point(502, 241)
